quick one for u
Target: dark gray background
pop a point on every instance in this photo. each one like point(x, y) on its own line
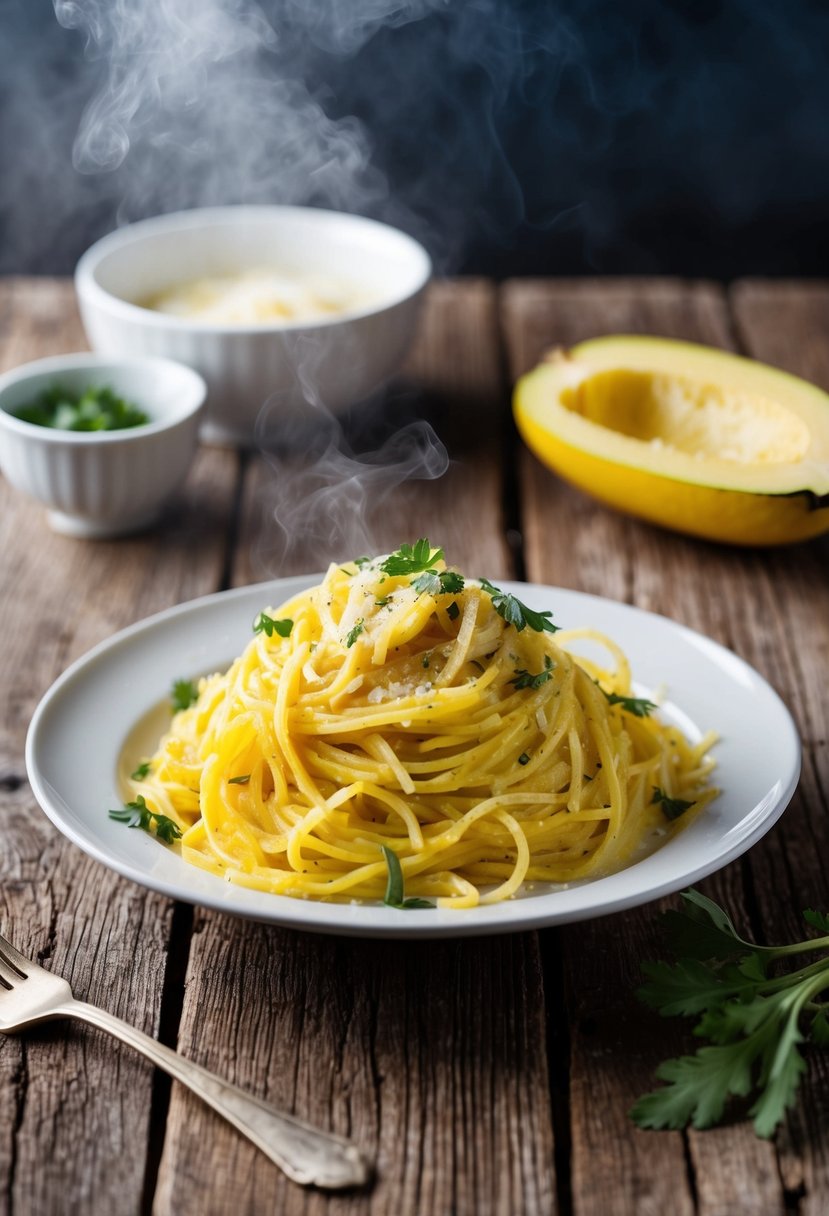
point(579, 136)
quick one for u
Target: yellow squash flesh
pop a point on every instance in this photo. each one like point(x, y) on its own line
point(685, 436)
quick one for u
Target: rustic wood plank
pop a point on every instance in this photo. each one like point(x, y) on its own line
point(572, 541)
point(787, 324)
point(75, 1106)
point(431, 1056)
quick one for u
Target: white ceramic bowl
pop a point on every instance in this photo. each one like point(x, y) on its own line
point(335, 361)
point(102, 483)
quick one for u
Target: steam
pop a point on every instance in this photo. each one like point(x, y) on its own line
point(326, 501)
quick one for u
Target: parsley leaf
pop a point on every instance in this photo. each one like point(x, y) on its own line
point(183, 695)
point(141, 772)
point(394, 887)
point(243, 780)
point(411, 559)
point(267, 625)
point(515, 613)
point(753, 1018)
point(453, 611)
point(640, 707)
point(353, 634)
point(672, 808)
point(138, 815)
point(525, 679)
point(438, 582)
point(523, 758)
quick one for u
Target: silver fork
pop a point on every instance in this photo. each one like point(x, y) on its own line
point(29, 994)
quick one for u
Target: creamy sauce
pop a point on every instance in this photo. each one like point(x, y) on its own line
point(260, 297)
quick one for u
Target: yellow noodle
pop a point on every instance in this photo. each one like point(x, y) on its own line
point(482, 755)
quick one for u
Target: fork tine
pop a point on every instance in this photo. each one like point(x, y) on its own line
point(14, 959)
point(10, 977)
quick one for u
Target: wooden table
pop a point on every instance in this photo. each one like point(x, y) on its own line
point(488, 1076)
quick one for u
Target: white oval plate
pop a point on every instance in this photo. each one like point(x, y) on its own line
point(78, 733)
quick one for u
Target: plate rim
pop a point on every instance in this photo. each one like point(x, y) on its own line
point(339, 919)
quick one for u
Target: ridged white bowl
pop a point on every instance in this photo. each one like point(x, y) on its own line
point(102, 483)
point(334, 361)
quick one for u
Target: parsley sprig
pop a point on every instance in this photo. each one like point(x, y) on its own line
point(753, 1015)
point(267, 625)
point(515, 613)
point(138, 815)
point(394, 887)
point(184, 694)
point(526, 679)
point(672, 808)
point(412, 559)
point(640, 707)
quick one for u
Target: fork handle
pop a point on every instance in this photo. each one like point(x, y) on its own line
point(306, 1154)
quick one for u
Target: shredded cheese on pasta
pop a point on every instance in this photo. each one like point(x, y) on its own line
point(485, 757)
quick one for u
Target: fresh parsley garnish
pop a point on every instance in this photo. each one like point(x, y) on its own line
point(524, 758)
point(453, 611)
point(640, 707)
point(754, 1019)
point(672, 808)
point(243, 780)
point(141, 772)
point(267, 625)
point(138, 815)
point(394, 887)
point(359, 562)
point(382, 602)
point(183, 695)
point(94, 409)
point(526, 679)
point(353, 634)
point(412, 559)
point(515, 613)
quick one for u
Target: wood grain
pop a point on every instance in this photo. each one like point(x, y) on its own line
point(572, 541)
point(76, 1107)
point(489, 1077)
point(431, 1056)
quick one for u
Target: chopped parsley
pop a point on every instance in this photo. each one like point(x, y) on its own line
point(243, 780)
point(672, 808)
point(138, 815)
point(453, 611)
point(640, 707)
point(95, 409)
point(524, 758)
point(438, 582)
point(141, 772)
point(353, 634)
point(525, 679)
point(267, 625)
point(394, 887)
point(412, 559)
point(183, 695)
point(515, 613)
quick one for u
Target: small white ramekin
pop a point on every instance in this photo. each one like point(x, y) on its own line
point(332, 362)
point(102, 483)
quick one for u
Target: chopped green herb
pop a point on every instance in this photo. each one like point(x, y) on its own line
point(96, 409)
point(523, 758)
point(138, 815)
point(640, 707)
point(672, 808)
point(359, 562)
point(518, 614)
point(243, 780)
point(411, 559)
point(424, 662)
point(753, 1015)
point(267, 625)
point(438, 582)
point(353, 634)
point(525, 679)
point(141, 772)
point(394, 887)
point(453, 611)
point(183, 695)
point(381, 603)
